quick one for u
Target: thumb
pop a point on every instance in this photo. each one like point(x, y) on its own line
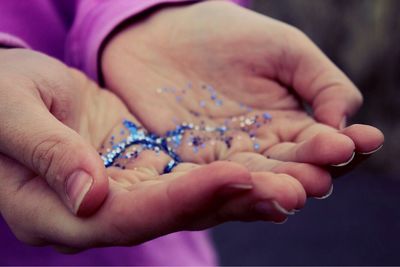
point(333, 105)
point(318, 81)
point(72, 168)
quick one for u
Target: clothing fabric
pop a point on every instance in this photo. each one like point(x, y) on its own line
point(73, 31)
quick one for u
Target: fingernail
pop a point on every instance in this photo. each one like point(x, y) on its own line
point(282, 222)
point(76, 187)
point(327, 194)
point(346, 162)
point(372, 151)
point(232, 189)
point(282, 209)
point(270, 207)
point(240, 186)
point(343, 123)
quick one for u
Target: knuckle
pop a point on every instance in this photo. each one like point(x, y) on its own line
point(358, 98)
point(47, 155)
point(296, 33)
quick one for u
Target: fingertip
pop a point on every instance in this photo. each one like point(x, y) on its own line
point(98, 190)
point(334, 104)
point(94, 198)
point(208, 183)
point(332, 114)
point(367, 139)
point(281, 188)
point(328, 148)
point(315, 180)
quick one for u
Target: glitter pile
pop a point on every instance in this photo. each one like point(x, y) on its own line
point(185, 133)
point(146, 141)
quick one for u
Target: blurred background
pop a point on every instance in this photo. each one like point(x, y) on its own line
point(360, 223)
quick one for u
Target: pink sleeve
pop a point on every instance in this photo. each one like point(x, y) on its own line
point(95, 20)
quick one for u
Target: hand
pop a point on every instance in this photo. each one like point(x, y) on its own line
point(37, 103)
point(168, 67)
point(142, 203)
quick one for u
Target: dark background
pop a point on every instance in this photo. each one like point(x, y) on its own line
point(360, 223)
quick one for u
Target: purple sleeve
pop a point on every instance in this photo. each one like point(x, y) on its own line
point(95, 20)
point(8, 40)
point(32, 24)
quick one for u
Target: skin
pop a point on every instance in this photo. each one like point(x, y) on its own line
point(242, 55)
point(249, 59)
point(138, 203)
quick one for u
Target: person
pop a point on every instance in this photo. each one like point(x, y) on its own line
point(173, 45)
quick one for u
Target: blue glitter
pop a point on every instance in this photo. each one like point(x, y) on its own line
point(170, 166)
point(218, 102)
point(266, 116)
point(146, 140)
point(173, 139)
point(256, 146)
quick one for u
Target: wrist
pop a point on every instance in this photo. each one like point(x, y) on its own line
point(141, 33)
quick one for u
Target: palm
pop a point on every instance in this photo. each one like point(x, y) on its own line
point(142, 202)
point(174, 58)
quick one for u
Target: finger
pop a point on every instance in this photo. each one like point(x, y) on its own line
point(274, 198)
point(319, 82)
point(367, 139)
point(182, 201)
point(321, 149)
point(34, 137)
point(315, 180)
point(211, 194)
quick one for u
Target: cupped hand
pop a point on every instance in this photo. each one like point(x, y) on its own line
point(38, 107)
point(216, 64)
point(141, 203)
